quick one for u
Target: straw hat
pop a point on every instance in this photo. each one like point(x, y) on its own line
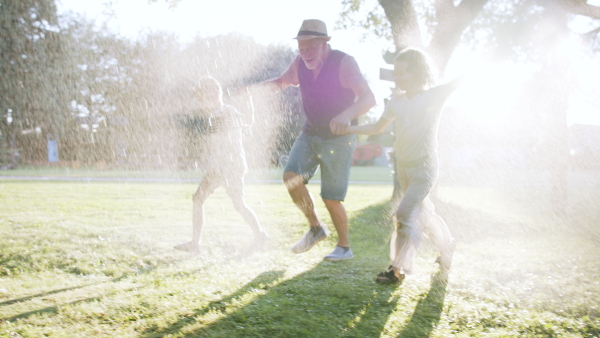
point(312, 29)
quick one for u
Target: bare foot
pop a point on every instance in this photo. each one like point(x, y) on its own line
point(188, 246)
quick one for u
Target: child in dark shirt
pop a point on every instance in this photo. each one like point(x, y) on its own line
point(223, 162)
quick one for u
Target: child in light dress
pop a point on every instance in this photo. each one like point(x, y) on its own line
point(416, 110)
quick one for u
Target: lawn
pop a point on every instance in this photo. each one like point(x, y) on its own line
point(256, 175)
point(95, 259)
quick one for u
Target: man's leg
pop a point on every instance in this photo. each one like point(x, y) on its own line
point(340, 221)
point(302, 164)
point(336, 160)
point(301, 197)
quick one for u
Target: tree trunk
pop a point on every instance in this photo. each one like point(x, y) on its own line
point(557, 87)
point(404, 22)
point(452, 21)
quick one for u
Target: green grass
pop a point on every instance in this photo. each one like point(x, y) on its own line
point(95, 259)
point(357, 173)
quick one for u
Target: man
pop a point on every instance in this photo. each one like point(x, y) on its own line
point(334, 94)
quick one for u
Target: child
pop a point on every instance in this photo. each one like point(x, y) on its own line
point(224, 159)
point(416, 110)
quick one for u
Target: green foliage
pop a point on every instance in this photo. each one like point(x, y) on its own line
point(130, 94)
point(112, 100)
point(367, 15)
point(525, 31)
point(31, 66)
point(36, 78)
point(96, 259)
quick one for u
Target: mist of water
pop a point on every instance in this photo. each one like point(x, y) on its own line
point(514, 179)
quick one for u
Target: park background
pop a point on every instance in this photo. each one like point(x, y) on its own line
point(97, 179)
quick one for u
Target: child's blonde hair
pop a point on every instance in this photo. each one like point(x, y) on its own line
point(420, 64)
point(208, 88)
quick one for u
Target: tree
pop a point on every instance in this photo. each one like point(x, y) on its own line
point(153, 98)
point(447, 21)
point(35, 74)
point(101, 78)
point(511, 30)
point(220, 57)
point(114, 99)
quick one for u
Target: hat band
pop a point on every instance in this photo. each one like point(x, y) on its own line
point(301, 33)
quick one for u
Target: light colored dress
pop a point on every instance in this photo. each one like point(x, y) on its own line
point(416, 125)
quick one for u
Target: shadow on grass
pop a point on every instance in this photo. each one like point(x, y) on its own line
point(54, 309)
point(57, 291)
point(262, 281)
point(24, 299)
point(330, 300)
point(428, 311)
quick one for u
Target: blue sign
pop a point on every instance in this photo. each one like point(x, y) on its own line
point(52, 150)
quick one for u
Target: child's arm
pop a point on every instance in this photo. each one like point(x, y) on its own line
point(450, 87)
point(371, 128)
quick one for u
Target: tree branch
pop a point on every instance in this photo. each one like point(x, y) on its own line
point(452, 21)
point(403, 18)
point(580, 7)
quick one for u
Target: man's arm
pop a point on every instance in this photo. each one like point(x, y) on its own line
point(273, 85)
point(247, 93)
point(288, 78)
point(351, 77)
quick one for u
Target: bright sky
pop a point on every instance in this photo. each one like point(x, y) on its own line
point(277, 22)
point(266, 21)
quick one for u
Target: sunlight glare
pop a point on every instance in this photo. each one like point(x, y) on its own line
point(489, 89)
point(584, 104)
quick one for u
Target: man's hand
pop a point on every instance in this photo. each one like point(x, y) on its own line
point(339, 125)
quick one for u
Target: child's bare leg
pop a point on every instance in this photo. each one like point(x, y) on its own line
point(249, 216)
point(205, 188)
point(235, 190)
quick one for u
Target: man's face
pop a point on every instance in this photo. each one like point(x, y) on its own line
point(312, 52)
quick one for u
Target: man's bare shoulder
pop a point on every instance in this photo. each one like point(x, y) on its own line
point(350, 74)
point(348, 62)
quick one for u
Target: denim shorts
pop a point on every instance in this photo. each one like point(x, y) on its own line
point(333, 156)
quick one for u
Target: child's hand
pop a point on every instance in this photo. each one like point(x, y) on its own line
point(352, 129)
point(339, 125)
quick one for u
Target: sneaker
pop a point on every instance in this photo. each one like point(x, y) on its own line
point(338, 254)
point(312, 237)
point(389, 277)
